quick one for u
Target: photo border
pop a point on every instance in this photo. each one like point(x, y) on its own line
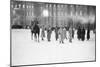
point(47, 63)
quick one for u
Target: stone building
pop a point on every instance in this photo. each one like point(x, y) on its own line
point(23, 12)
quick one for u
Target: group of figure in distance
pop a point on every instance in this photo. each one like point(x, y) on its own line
point(60, 32)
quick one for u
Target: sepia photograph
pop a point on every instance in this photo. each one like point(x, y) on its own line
point(51, 33)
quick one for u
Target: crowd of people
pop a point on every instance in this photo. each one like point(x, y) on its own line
point(61, 33)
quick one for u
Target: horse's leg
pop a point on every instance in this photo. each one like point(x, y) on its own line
point(35, 36)
point(38, 37)
point(31, 35)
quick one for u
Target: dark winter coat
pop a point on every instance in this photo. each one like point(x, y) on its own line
point(56, 33)
point(88, 34)
point(79, 33)
point(83, 34)
point(49, 34)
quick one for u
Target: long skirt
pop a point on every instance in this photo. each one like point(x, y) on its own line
point(43, 34)
point(56, 35)
point(49, 36)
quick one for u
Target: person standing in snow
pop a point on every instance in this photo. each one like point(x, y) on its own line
point(70, 34)
point(79, 33)
point(49, 33)
point(43, 32)
point(61, 35)
point(83, 34)
point(56, 33)
point(65, 34)
point(88, 33)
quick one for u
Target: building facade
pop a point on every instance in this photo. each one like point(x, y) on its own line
point(53, 14)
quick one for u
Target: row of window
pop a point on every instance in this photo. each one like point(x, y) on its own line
point(49, 5)
point(60, 14)
point(21, 6)
point(54, 13)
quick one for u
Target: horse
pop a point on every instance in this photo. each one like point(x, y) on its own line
point(36, 30)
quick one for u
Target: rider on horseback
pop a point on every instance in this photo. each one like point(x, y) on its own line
point(35, 29)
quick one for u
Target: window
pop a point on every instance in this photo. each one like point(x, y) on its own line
point(27, 13)
point(27, 6)
point(16, 6)
point(23, 6)
point(46, 5)
point(58, 6)
point(80, 12)
point(19, 5)
point(32, 6)
point(61, 6)
point(12, 6)
point(32, 13)
point(50, 5)
point(54, 6)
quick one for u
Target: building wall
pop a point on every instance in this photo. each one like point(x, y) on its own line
point(23, 12)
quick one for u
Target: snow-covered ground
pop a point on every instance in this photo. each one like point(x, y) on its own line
point(26, 51)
